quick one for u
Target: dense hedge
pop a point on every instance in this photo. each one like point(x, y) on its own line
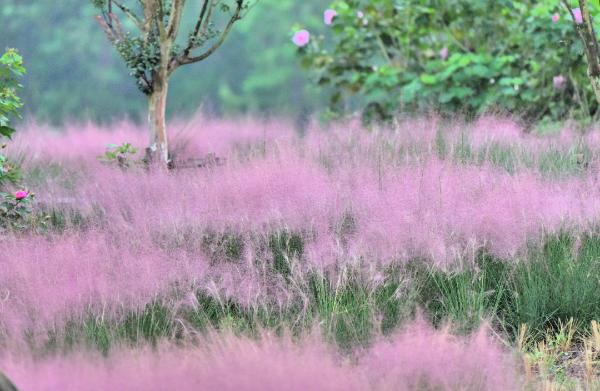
point(452, 55)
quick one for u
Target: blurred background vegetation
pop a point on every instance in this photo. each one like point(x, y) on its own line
point(465, 56)
point(74, 73)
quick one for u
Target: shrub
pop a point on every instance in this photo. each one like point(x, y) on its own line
point(14, 208)
point(121, 155)
point(458, 55)
point(11, 68)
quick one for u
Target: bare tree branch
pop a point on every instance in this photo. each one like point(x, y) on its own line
point(588, 36)
point(194, 34)
point(129, 13)
point(175, 19)
point(159, 20)
point(184, 60)
point(112, 26)
point(212, 5)
point(591, 33)
point(150, 10)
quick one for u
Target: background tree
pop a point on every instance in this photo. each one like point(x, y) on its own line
point(585, 28)
point(155, 53)
point(381, 57)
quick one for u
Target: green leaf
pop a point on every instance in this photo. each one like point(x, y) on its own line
point(6, 131)
point(428, 79)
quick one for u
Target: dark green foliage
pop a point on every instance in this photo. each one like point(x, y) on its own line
point(223, 247)
point(345, 227)
point(285, 247)
point(346, 310)
point(235, 80)
point(15, 214)
point(10, 172)
point(59, 220)
point(396, 299)
point(553, 283)
point(559, 282)
point(498, 55)
point(467, 297)
point(155, 321)
point(120, 155)
point(11, 70)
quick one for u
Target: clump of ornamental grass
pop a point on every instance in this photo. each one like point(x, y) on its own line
point(412, 359)
point(351, 231)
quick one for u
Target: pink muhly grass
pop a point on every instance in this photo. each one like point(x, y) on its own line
point(132, 252)
point(48, 282)
point(417, 357)
point(495, 129)
point(403, 202)
point(222, 363)
point(423, 358)
point(192, 138)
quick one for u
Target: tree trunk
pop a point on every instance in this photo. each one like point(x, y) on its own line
point(158, 151)
point(595, 81)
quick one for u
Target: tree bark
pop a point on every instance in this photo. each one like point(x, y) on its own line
point(595, 81)
point(158, 151)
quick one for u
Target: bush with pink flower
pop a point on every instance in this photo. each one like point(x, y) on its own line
point(450, 56)
point(15, 205)
point(15, 210)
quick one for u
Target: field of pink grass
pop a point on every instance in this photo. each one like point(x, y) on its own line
point(417, 358)
point(358, 198)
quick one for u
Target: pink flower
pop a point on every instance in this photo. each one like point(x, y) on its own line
point(328, 16)
point(559, 82)
point(444, 53)
point(578, 16)
point(21, 194)
point(555, 18)
point(360, 14)
point(301, 38)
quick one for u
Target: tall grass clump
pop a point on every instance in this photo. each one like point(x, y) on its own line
point(340, 231)
point(416, 358)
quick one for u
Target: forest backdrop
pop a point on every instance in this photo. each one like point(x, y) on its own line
point(73, 73)
point(377, 57)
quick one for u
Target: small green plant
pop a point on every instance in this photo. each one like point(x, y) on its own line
point(15, 210)
point(11, 69)
point(120, 155)
point(9, 172)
